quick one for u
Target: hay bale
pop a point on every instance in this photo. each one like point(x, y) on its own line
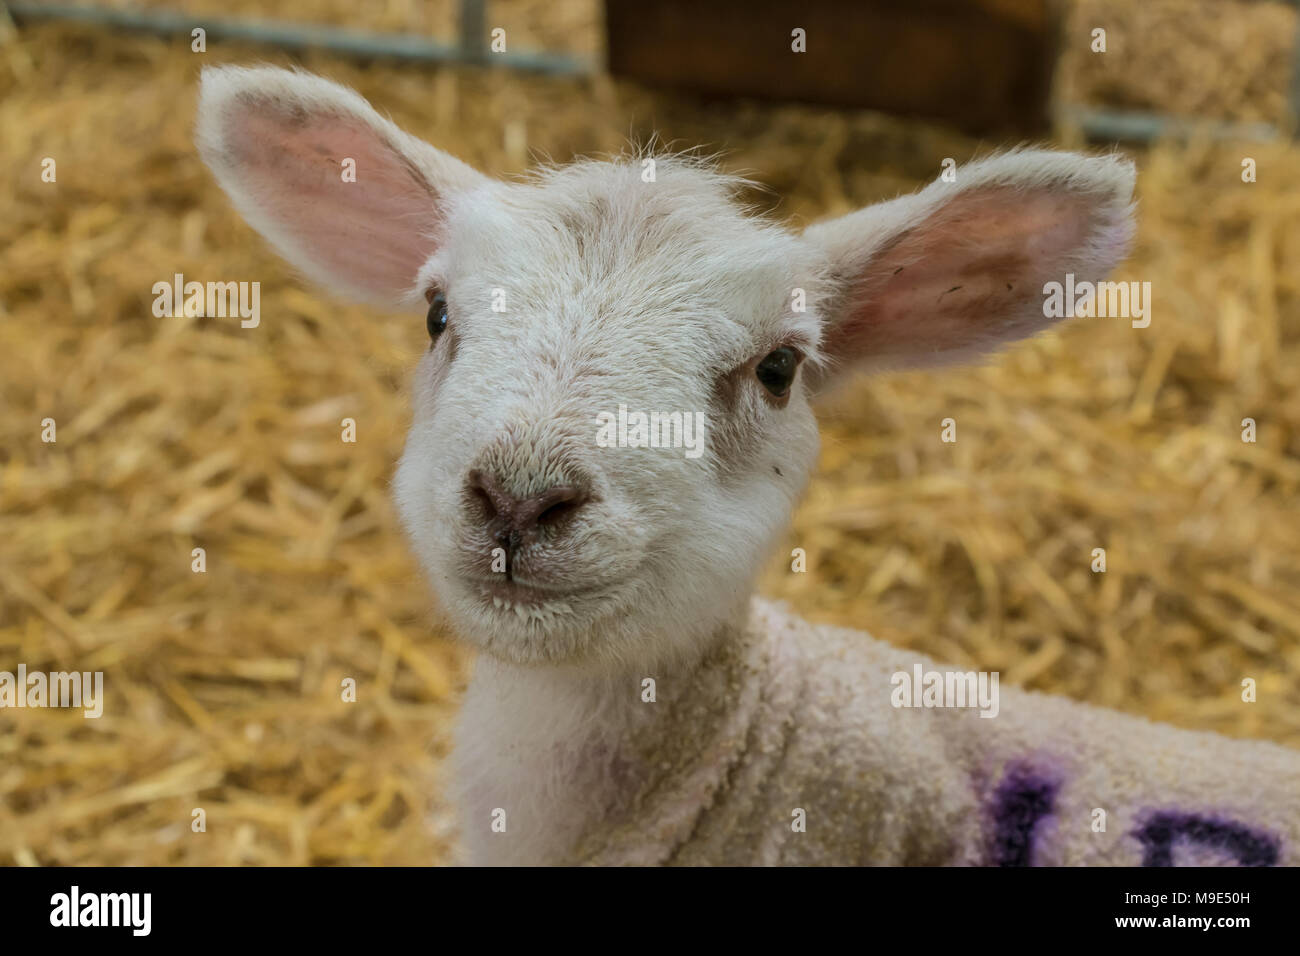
point(1228, 60)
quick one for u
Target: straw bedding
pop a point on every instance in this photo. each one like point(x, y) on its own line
point(224, 688)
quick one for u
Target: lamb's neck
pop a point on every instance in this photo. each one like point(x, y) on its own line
point(567, 702)
point(562, 748)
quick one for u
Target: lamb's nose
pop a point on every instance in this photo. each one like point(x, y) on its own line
point(512, 518)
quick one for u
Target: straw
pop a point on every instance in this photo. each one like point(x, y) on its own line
point(224, 689)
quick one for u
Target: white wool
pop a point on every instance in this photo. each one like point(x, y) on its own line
point(785, 716)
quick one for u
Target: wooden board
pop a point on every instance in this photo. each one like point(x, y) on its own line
point(982, 64)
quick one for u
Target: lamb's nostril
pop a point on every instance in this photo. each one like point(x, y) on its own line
point(555, 512)
point(484, 503)
point(488, 496)
point(556, 504)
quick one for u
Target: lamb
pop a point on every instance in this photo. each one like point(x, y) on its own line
point(632, 703)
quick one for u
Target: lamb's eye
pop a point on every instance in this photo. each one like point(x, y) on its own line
point(777, 369)
point(437, 317)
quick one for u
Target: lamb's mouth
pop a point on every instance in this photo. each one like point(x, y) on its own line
point(527, 599)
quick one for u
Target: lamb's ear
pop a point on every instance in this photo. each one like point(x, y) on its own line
point(958, 268)
point(277, 142)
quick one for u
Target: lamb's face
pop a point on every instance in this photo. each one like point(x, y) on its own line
point(574, 306)
point(585, 308)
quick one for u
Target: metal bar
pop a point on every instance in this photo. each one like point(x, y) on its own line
point(1295, 82)
point(473, 29)
point(1134, 126)
point(293, 36)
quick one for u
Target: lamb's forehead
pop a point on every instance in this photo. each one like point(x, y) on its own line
point(627, 246)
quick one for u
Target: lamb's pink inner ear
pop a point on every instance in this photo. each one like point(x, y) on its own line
point(371, 235)
point(963, 280)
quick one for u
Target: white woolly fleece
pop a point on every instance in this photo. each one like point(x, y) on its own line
point(785, 717)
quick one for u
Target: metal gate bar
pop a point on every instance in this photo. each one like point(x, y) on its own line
point(472, 47)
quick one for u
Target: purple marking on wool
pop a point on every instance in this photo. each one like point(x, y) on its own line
point(1249, 847)
point(1024, 798)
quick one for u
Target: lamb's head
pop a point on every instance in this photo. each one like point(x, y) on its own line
point(612, 420)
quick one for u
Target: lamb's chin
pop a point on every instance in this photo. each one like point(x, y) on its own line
point(526, 627)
